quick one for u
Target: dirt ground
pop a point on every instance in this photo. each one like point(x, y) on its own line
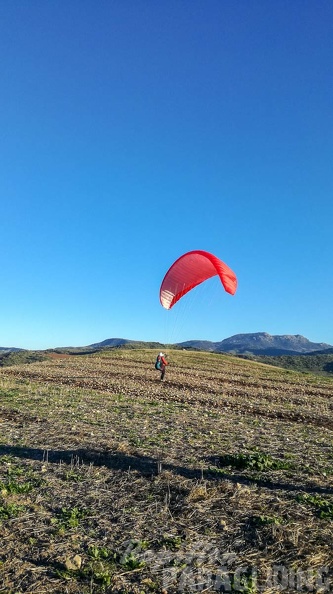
point(217, 479)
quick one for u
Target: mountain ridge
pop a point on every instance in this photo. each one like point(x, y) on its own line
point(251, 343)
point(261, 343)
point(257, 343)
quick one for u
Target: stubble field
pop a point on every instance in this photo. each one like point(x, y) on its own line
point(220, 478)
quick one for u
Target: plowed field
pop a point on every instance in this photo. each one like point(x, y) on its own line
point(220, 478)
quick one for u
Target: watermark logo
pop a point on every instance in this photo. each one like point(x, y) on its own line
point(200, 566)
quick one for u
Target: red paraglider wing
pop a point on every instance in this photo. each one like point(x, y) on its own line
point(190, 270)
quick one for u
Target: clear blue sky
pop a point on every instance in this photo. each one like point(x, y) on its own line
point(132, 131)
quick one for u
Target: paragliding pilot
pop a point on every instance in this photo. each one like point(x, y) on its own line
point(161, 364)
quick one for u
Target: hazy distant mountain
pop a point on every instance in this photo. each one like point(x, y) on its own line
point(260, 343)
point(9, 349)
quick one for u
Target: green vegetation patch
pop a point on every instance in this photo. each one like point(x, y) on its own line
point(68, 518)
point(259, 461)
point(17, 479)
point(322, 506)
point(263, 520)
point(10, 510)
point(100, 566)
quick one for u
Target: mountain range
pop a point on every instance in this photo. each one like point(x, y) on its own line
point(259, 343)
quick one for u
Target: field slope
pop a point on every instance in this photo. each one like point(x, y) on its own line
point(220, 478)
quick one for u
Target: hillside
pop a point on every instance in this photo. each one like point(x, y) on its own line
point(311, 363)
point(17, 357)
point(113, 481)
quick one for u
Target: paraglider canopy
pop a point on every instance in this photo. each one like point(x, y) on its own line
point(190, 270)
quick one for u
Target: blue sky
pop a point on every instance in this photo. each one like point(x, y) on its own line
point(132, 131)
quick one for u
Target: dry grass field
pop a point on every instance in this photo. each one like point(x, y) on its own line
point(218, 479)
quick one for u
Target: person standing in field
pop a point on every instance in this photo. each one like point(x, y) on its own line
point(161, 364)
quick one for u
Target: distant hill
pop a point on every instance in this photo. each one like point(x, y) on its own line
point(124, 342)
point(110, 342)
point(260, 343)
